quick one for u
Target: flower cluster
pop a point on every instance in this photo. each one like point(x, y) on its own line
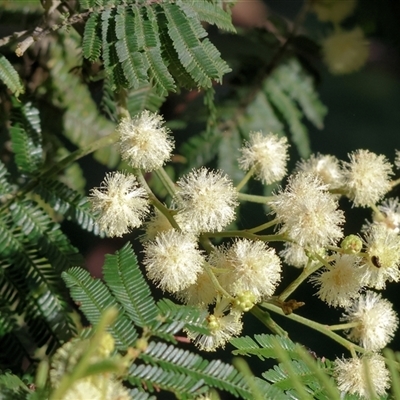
point(229, 279)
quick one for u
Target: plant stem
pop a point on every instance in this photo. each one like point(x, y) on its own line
point(155, 201)
point(264, 226)
point(245, 179)
point(395, 183)
point(215, 282)
point(254, 198)
point(298, 281)
point(342, 327)
point(325, 329)
point(246, 234)
point(266, 319)
point(166, 181)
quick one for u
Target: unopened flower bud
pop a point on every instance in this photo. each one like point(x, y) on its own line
point(351, 244)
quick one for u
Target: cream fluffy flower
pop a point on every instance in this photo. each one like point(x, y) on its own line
point(308, 212)
point(351, 375)
point(248, 266)
point(201, 293)
point(206, 201)
point(145, 142)
point(173, 260)
point(97, 387)
point(326, 167)
point(383, 261)
point(367, 177)
point(340, 284)
point(345, 51)
point(120, 204)
point(268, 154)
point(389, 214)
point(376, 319)
point(222, 329)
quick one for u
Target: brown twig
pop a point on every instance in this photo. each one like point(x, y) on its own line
point(39, 32)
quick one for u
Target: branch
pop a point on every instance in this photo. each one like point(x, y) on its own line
point(7, 39)
point(40, 32)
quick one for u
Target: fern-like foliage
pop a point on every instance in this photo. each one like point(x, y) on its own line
point(263, 346)
point(183, 365)
point(94, 297)
point(10, 76)
point(12, 387)
point(34, 252)
point(26, 137)
point(34, 311)
point(82, 121)
point(155, 44)
point(68, 202)
point(298, 375)
point(127, 284)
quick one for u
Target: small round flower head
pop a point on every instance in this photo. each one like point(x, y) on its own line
point(308, 212)
point(389, 214)
point(222, 329)
point(249, 266)
point(351, 244)
point(106, 345)
point(340, 284)
point(367, 177)
point(267, 154)
point(345, 51)
point(333, 10)
point(383, 249)
point(244, 301)
point(376, 319)
point(145, 142)
point(351, 375)
point(326, 167)
point(173, 260)
point(97, 387)
point(120, 204)
point(201, 293)
point(206, 201)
